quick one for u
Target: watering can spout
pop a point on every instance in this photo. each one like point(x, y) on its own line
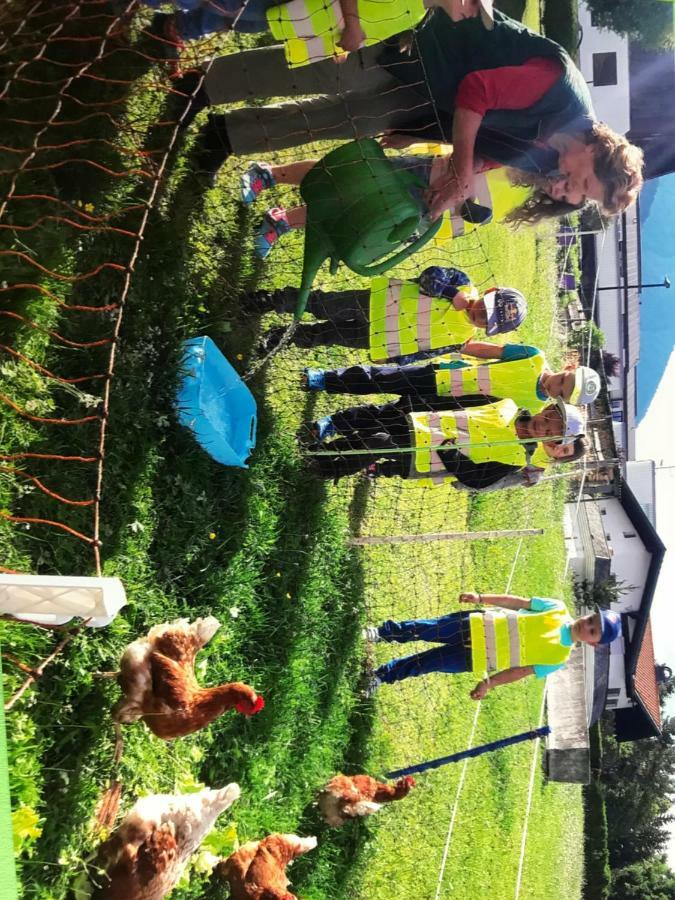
point(316, 253)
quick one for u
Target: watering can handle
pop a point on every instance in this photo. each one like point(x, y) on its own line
point(384, 265)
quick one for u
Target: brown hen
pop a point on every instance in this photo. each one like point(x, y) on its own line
point(144, 858)
point(346, 797)
point(158, 680)
point(257, 871)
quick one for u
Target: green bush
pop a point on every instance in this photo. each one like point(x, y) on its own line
point(560, 23)
point(597, 875)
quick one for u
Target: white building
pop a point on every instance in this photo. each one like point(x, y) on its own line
point(613, 536)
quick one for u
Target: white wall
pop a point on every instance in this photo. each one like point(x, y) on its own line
point(630, 560)
point(640, 477)
point(611, 102)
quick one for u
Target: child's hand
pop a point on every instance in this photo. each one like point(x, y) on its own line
point(396, 141)
point(461, 9)
point(479, 692)
point(470, 597)
point(461, 301)
point(353, 36)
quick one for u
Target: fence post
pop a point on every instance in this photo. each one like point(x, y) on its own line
point(443, 536)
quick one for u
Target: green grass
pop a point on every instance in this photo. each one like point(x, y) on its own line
point(265, 550)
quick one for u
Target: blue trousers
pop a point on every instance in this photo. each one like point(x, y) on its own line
point(453, 656)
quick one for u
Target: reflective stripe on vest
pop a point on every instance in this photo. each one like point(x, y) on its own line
point(404, 321)
point(431, 430)
point(516, 379)
point(484, 434)
point(311, 29)
point(495, 640)
point(493, 189)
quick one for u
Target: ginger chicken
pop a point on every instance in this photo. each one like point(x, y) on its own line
point(347, 797)
point(158, 681)
point(257, 870)
point(145, 856)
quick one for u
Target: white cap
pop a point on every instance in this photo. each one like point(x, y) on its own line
point(574, 424)
point(586, 386)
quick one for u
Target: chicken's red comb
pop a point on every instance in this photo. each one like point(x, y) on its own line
point(409, 780)
point(250, 709)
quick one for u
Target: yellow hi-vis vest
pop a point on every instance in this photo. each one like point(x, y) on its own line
point(491, 428)
point(311, 29)
point(403, 320)
point(515, 380)
point(493, 190)
point(504, 639)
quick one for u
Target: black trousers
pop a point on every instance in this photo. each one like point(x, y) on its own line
point(416, 385)
point(346, 316)
point(377, 430)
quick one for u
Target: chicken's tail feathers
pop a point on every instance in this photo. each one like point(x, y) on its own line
point(362, 808)
point(307, 843)
point(204, 629)
point(224, 797)
point(108, 806)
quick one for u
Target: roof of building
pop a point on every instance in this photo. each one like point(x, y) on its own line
point(641, 683)
point(645, 688)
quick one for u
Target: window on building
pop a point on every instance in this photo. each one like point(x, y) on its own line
point(603, 511)
point(613, 692)
point(629, 534)
point(604, 69)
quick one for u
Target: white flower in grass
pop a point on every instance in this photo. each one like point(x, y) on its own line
point(234, 612)
point(136, 526)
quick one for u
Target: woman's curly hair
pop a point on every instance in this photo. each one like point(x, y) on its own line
point(617, 165)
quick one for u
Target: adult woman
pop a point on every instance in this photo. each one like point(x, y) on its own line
point(505, 95)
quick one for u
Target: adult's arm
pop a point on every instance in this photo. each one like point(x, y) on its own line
point(505, 87)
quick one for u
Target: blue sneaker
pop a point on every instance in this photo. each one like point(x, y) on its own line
point(314, 380)
point(256, 179)
point(272, 227)
point(323, 428)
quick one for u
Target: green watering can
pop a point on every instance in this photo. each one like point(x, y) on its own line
point(359, 208)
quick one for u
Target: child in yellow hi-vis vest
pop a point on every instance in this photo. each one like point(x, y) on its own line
point(496, 195)
point(309, 29)
point(521, 637)
point(485, 447)
point(400, 321)
point(485, 372)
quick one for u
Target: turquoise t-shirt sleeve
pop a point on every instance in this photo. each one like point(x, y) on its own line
point(543, 671)
point(512, 352)
point(541, 604)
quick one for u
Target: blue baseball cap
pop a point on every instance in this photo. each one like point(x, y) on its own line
point(611, 625)
point(506, 309)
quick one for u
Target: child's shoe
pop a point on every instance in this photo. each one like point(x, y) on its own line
point(256, 179)
point(313, 380)
point(273, 226)
point(374, 682)
point(371, 634)
point(323, 428)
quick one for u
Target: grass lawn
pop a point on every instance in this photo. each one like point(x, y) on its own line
point(264, 550)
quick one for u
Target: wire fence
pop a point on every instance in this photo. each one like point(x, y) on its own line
point(96, 103)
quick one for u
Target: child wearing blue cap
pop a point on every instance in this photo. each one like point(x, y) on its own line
point(401, 321)
point(522, 637)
